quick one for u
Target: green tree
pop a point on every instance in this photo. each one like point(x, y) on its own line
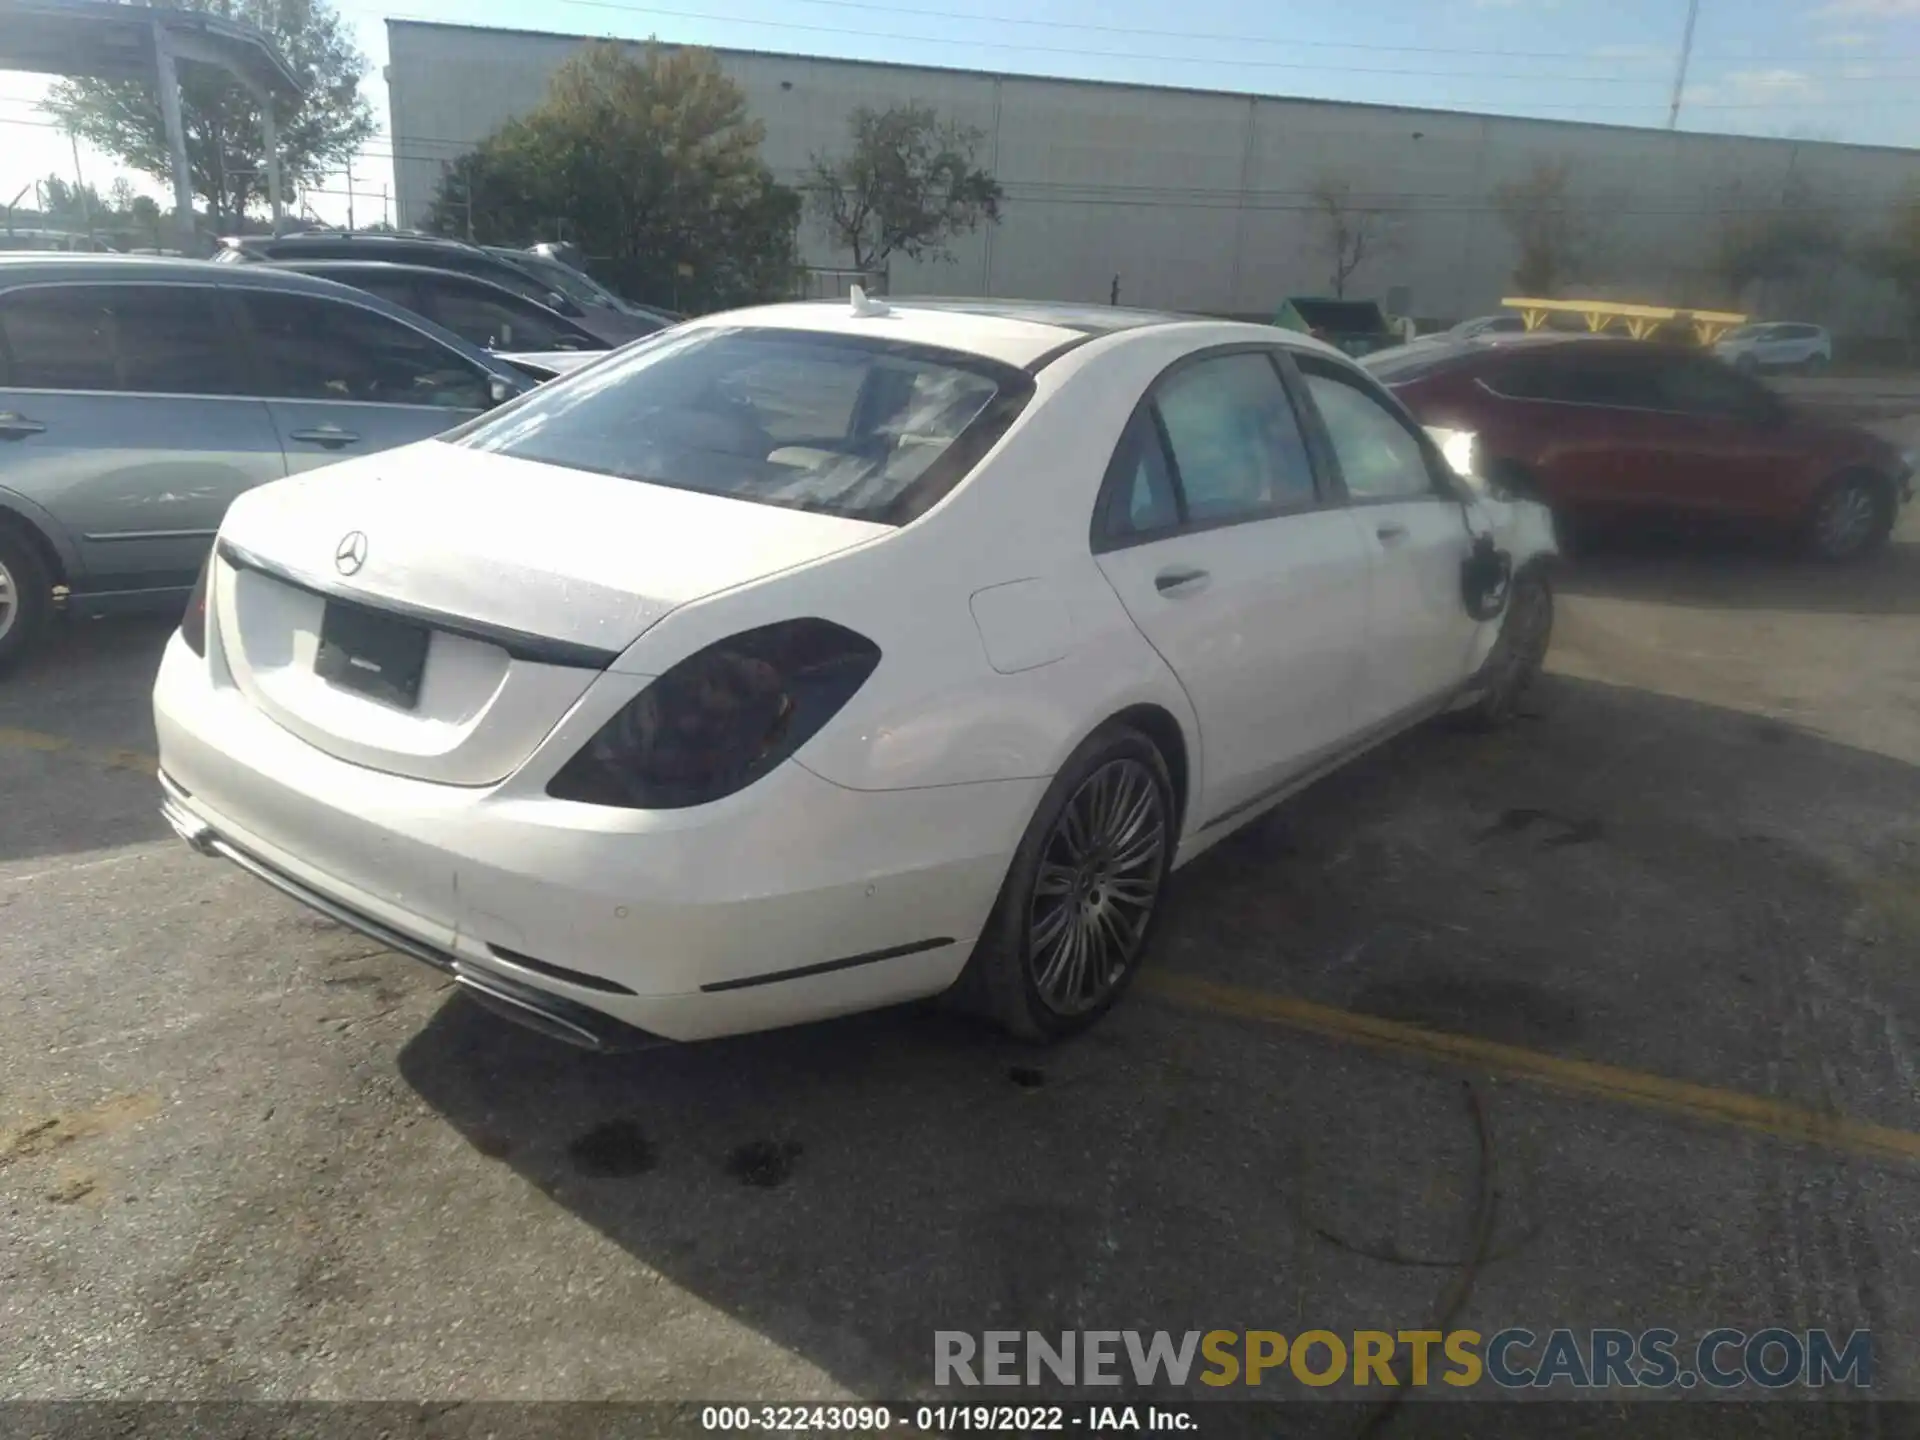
point(1545, 226)
point(1777, 243)
point(907, 185)
point(226, 154)
point(143, 214)
point(70, 205)
point(654, 168)
point(1894, 256)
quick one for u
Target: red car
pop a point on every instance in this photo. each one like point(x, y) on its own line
point(1608, 430)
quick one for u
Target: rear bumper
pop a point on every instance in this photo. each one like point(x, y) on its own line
point(550, 1014)
point(795, 900)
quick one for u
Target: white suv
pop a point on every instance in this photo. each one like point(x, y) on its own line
point(1777, 346)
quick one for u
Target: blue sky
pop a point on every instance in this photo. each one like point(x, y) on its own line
point(1825, 69)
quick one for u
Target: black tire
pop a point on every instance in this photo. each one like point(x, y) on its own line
point(1817, 365)
point(1023, 985)
point(26, 596)
point(1851, 518)
point(1526, 632)
point(1747, 364)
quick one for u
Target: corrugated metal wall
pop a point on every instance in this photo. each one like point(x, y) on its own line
point(1201, 201)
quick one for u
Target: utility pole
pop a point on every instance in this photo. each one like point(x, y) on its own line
point(1680, 76)
point(349, 192)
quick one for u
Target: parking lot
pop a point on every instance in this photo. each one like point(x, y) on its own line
point(1609, 1019)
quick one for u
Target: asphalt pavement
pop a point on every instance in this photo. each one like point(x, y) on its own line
point(1606, 1019)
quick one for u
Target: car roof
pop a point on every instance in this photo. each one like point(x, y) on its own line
point(26, 266)
point(1015, 332)
point(372, 239)
point(305, 266)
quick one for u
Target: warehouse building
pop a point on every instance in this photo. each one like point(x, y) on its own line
point(1204, 201)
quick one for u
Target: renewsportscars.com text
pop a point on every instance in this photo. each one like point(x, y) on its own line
point(1772, 1358)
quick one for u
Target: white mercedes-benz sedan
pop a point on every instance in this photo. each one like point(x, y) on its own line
point(818, 657)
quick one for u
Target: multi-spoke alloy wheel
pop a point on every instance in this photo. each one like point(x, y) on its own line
point(25, 595)
point(1099, 879)
point(9, 600)
point(1076, 911)
point(1848, 520)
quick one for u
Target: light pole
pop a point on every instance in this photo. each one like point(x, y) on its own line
point(1680, 75)
point(16, 200)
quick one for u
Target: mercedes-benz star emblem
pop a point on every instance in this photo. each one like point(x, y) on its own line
point(351, 553)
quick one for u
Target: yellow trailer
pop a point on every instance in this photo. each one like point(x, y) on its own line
point(1640, 321)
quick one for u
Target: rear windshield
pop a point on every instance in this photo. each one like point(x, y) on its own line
point(846, 425)
point(1413, 362)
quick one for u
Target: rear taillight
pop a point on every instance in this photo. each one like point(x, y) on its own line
point(193, 625)
point(721, 718)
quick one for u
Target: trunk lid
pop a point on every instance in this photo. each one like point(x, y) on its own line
point(434, 611)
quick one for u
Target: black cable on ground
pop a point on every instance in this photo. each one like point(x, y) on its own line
point(1454, 1298)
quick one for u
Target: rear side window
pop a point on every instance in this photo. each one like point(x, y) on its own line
point(856, 426)
point(394, 289)
point(1616, 378)
point(153, 339)
point(1697, 385)
point(1140, 495)
point(318, 349)
point(496, 321)
point(1236, 442)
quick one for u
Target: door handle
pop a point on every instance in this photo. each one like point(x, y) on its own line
point(1179, 580)
point(1391, 532)
point(15, 426)
point(330, 437)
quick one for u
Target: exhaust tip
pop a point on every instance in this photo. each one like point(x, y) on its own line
point(551, 1015)
point(190, 828)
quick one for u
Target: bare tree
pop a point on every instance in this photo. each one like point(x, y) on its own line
point(1545, 224)
point(1350, 234)
point(907, 184)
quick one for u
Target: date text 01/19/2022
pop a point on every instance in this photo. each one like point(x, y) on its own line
point(943, 1419)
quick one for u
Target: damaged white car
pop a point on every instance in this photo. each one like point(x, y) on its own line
point(819, 657)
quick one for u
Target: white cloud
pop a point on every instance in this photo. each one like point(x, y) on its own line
point(1748, 89)
point(1633, 54)
point(1866, 9)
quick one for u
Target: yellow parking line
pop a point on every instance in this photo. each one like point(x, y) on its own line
point(114, 757)
point(1607, 1082)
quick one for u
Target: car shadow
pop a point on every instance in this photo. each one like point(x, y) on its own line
point(1744, 573)
point(847, 1189)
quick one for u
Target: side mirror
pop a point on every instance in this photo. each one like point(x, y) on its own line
point(500, 389)
point(561, 305)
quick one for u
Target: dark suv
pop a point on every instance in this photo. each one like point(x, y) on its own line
point(1610, 430)
point(437, 254)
